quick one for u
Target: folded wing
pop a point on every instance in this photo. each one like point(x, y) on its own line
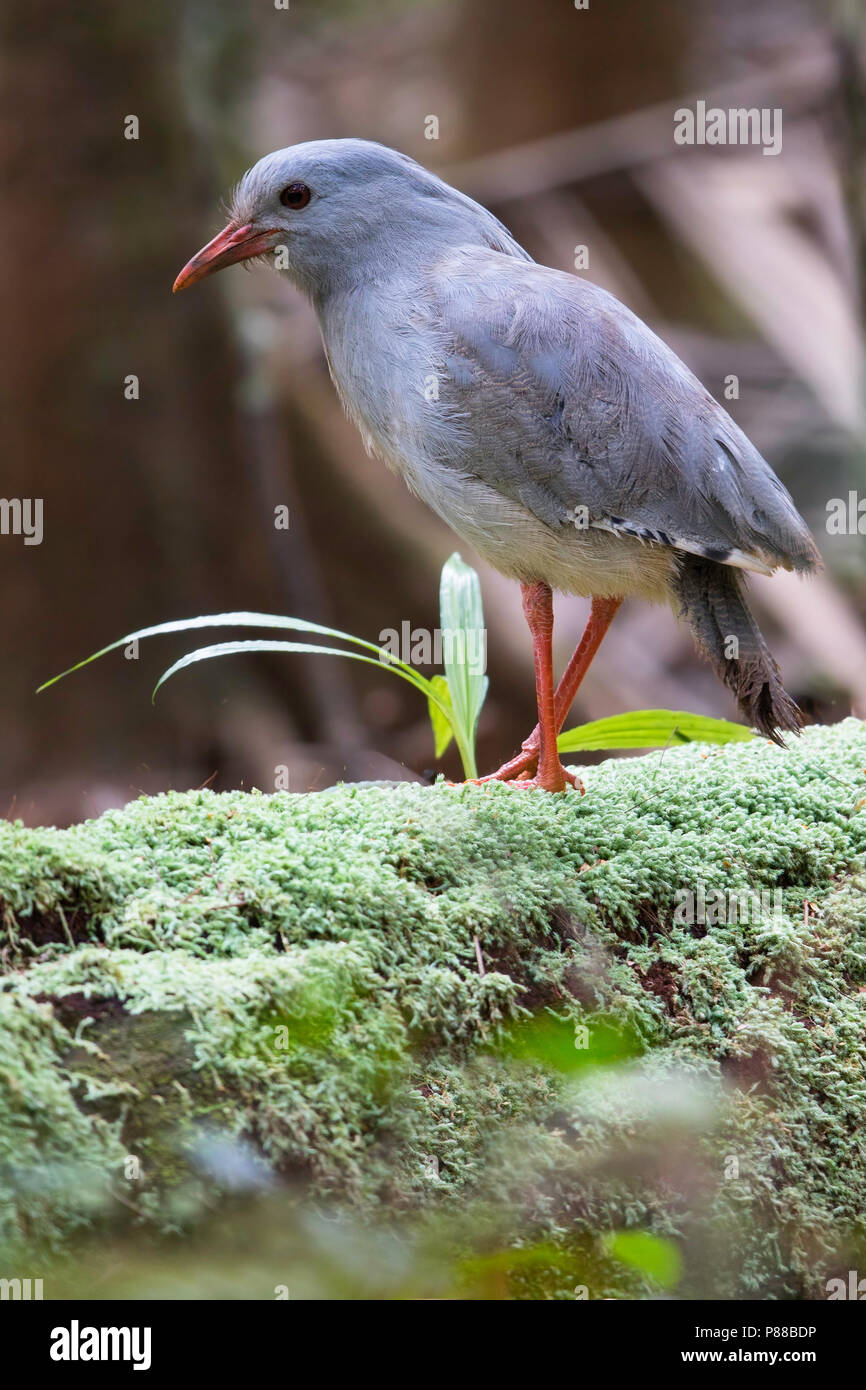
point(577, 404)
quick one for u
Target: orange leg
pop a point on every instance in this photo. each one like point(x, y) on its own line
point(601, 616)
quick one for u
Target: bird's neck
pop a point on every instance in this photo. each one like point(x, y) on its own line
point(384, 255)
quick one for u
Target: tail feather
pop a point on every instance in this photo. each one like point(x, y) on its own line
point(712, 600)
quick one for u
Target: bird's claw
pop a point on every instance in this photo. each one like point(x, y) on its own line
point(511, 777)
point(536, 782)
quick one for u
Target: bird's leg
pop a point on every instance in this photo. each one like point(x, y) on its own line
point(538, 608)
point(601, 616)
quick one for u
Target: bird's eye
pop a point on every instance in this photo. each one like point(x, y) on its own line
point(295, 195)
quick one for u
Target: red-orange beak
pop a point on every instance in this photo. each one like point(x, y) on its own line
point(234, 243)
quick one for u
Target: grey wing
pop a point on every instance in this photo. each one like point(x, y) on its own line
point(568, 401)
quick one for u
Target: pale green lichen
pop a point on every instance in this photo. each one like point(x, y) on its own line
point(301, 973)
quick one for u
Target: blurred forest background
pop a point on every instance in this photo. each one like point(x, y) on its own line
point(561, 120)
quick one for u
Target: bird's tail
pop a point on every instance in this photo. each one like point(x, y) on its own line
point(713, 601)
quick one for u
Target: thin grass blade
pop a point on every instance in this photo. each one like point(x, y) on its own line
point(406, 673)
point(240, 619)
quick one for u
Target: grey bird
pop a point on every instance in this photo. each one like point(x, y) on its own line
point(538, 416)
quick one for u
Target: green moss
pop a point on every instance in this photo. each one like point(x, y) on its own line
point(301, 974)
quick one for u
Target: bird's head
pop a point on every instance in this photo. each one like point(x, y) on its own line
point(341, 211)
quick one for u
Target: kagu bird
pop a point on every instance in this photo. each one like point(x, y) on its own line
point(562, 438)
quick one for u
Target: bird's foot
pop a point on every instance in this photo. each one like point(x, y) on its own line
point(524, 761)
point(554, 780)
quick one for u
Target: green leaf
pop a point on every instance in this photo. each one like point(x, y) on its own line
point(442, 730)
point(406, 673)
point(383, 658)
point(463, 631)
point(651, 728)
point(241, 619)
point(461, 616)
point(659, 1259)
point(566, 1046)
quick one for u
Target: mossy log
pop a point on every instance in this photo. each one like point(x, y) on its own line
point(487, 1025)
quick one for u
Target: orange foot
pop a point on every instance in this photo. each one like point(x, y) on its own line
point(554, 783)
point(527, 761)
